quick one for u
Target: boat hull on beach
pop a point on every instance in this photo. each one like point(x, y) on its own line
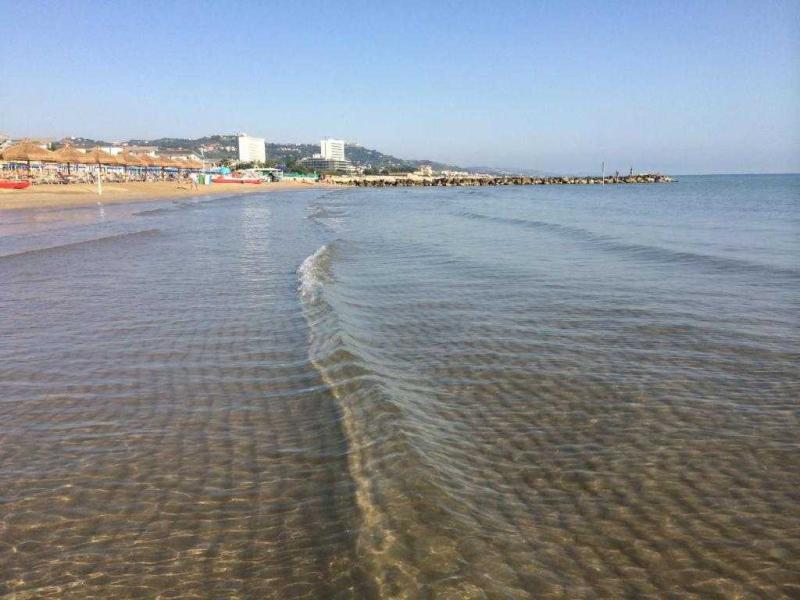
point(14, 185)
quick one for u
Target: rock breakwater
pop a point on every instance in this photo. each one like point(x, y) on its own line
point(480, 180)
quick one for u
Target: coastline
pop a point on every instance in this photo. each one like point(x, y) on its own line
point(68, 196)
point(77, 195)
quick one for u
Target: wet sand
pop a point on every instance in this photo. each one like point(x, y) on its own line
point(66, 196)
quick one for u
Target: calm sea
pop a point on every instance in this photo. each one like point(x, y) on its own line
point(517, 392)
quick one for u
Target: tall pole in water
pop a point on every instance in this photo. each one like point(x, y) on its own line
point(603, 181)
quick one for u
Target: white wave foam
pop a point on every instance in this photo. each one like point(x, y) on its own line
point(314, 273)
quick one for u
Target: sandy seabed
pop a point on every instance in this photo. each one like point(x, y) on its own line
point(56, 196)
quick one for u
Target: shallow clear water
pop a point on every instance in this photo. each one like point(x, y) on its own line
point(564, 392)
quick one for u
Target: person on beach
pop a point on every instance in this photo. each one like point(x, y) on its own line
point(193, 179)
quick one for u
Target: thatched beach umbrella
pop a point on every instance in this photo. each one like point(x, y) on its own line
point(71, 156)
point(26, 151)
point(161, 162)
point(147, 161)
point(97, 156)
point(166, 163)
point(131, 160)
point(125, 160)
point(144, 159)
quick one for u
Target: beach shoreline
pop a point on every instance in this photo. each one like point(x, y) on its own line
point(69, 196)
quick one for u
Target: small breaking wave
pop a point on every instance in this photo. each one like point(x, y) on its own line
point(370, 421)
point(83, 243)
point(328, 217)
point(642, 252)
point(314, 273)
point(152, 212)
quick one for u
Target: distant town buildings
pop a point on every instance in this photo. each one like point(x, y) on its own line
point(152, 151)
point(143, 150)
point(251, 149)
point(180, 153)
point(331, 158)
point(324, 165)
point(331, 149)
point(217, 148)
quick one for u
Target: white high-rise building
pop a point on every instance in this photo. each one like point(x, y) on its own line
point(331, 149)
point(251, 149)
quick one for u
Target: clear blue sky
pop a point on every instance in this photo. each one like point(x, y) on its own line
point(681, 87)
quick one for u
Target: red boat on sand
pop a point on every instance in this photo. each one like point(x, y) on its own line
point(13, 185)
point(235, 180)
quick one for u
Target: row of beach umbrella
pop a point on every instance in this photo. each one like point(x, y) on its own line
point(29, 152)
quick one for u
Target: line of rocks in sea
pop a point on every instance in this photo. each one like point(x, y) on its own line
point(468, 180)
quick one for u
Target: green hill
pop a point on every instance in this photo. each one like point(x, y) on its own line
point(224, 146)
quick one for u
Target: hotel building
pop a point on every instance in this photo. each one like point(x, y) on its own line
point(251, 149)
point(330, 159)
point(331, 149)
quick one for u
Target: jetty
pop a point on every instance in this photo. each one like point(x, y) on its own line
point(411, 179)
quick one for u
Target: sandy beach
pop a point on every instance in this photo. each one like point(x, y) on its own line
point(57, 196)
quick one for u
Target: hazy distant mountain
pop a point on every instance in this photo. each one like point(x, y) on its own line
point(510, 171)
